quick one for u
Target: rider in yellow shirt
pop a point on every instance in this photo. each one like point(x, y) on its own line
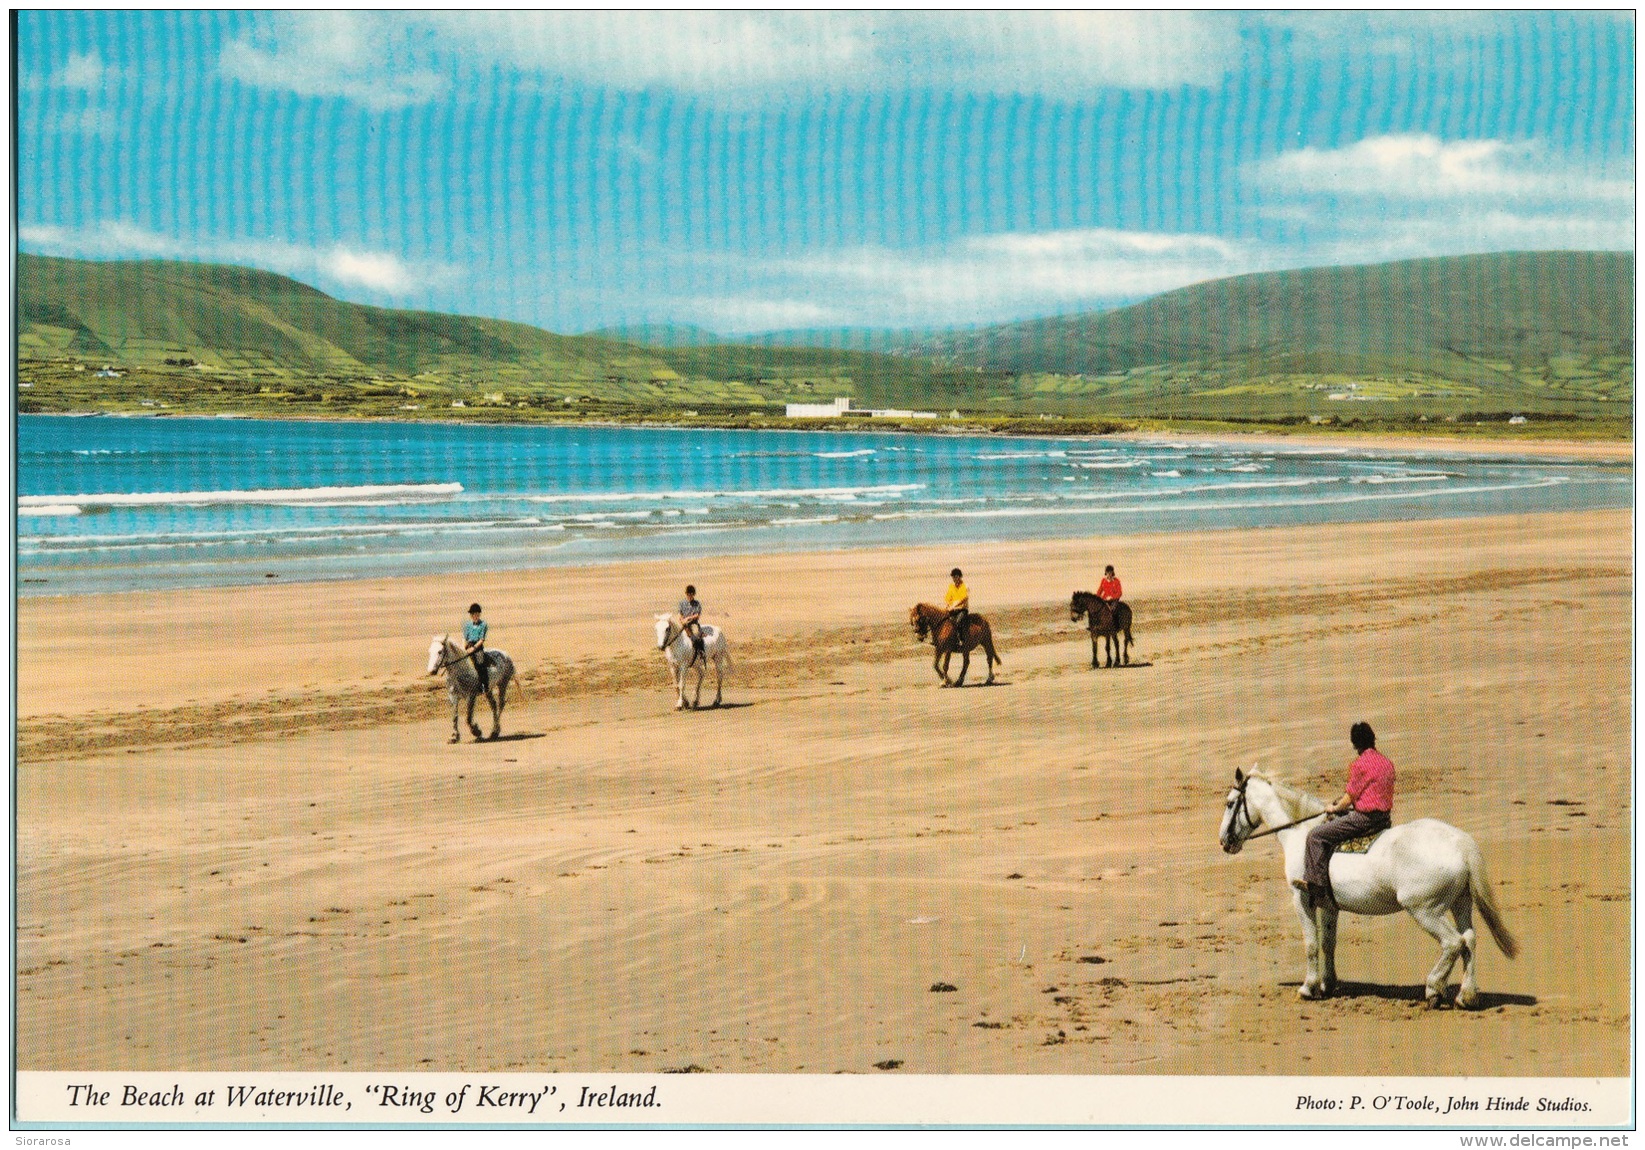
point(957, 599)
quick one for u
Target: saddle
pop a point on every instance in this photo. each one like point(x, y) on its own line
point(1362, 844)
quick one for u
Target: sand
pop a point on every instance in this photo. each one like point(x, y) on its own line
point(244, 841)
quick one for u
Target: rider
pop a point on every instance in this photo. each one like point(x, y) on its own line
point(474, 643)
point(690, 615)
point(1365, 808)
point(957, 599)
point(1109, 589)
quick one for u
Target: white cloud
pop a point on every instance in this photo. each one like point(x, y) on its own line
point(1423, 167)
point(1018, 275)
point(83, 72)
point(388, 60)
point(333, 54)
point(732, 314)
point(1467, 232)
point(337, 266)
point(978, 279)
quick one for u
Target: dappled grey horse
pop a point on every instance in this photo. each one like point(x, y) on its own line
point(463, 682)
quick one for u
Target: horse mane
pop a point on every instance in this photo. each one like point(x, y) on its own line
point(1299, 800)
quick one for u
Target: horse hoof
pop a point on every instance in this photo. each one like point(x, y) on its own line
point(1310, 993)
point(1468, 1001)
point(454, 739)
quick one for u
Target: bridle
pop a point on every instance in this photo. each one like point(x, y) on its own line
point(445, 663)
point(1243, 810)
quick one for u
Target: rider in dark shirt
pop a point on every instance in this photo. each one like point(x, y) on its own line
point(690, 618)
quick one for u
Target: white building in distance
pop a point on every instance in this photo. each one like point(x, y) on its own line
point(842, 407)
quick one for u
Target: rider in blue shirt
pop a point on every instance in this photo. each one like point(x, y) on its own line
point(474, 643)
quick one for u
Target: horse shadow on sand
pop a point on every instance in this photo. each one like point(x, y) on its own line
point(721, 706)
point(516, 737)
point(1488, 1000)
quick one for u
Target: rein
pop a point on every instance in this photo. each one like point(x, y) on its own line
point(1256, 834)
point(1281, 827)
point(444, 663)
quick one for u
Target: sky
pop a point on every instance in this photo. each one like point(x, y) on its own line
point(749, 171)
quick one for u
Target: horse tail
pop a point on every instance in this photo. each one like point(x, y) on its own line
point(1480, 887)
point(988, 645)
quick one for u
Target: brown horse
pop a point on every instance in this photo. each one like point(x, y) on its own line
point(926, 619)
point(1107, 621)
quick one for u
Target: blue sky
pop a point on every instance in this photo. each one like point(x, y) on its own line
point(748, 171)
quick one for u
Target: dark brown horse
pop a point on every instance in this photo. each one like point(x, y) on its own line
point(934, 621)
point(1107, 621)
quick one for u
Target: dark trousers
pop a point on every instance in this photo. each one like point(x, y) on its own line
point(1325, 838)
point(482, 668)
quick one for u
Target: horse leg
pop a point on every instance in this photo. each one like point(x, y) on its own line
point(940, 665)
point(718, 679)
point(988, 649)
point(1127, 648)
point(678, 675)
point(697, 699)
point(1326, 917)
point(1310, 988)
point(965, 665)
point(1093, 650)
point(496, 711)
point(1463, 911)
point(1432, 920)
point(456, 713)
point(473, 727)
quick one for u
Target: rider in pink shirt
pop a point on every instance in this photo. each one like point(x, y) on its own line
point(1365, 808)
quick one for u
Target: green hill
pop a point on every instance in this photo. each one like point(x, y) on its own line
point(1547, 331)
point(148, 311)
point(186, 335)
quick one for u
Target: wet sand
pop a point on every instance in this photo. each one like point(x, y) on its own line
point(244, 841)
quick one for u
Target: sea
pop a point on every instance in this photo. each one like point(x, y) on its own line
point(108, 503)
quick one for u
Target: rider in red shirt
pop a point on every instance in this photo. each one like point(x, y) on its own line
point(1365, 808)
point(1109, 589)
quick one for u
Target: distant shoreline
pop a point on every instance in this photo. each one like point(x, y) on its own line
point(1598, 448)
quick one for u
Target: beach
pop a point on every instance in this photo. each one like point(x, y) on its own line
point(245, 842)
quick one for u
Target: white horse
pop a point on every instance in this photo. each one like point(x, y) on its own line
point(463, 682)
point(682, 656)
point(1425, 868)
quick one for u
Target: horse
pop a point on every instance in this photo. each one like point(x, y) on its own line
point(1426, 868)
point(463, 682)
point(926, 619)
point(1107, 621)
point(682, 656)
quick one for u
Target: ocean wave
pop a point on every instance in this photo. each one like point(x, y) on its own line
point(1220, 505)
point(416, 492)
point(758, 493)
point(1428, 478)
point(1024, 455)
point(842, 454)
